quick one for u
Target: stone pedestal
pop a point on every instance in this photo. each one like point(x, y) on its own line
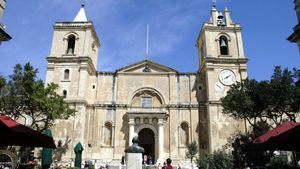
point(134, 160)
point(134, 155)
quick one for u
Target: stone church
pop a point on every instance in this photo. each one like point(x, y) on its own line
point(167, 109)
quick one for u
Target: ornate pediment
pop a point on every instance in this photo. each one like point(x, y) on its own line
point(146, 66)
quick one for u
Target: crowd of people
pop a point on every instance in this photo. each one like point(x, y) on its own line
point(148, 160)
point(166, 164)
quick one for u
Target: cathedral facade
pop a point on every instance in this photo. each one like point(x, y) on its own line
point(167, 109)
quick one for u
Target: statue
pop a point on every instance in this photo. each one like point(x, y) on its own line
point(135, 148)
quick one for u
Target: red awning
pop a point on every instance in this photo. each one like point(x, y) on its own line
point(284, 137)
point(14, 133)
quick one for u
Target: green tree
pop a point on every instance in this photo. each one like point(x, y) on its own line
point(264, 105)
point(217, 160)
point(242, 155)
point(192, 150)
point(278, 162)
point(284, 95)
point(22, 94)
point(275, 100)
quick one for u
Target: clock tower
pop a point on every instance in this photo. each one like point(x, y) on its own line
point(221, 63)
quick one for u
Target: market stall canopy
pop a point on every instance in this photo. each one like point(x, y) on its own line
point(284, 137)
point(14, 133)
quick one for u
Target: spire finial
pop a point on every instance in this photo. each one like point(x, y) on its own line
point(82, 4)
point(214, 3)
point(81, 17)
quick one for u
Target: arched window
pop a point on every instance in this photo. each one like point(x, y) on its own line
point(65, 94)
point(184, 134)
point(146, 102)
point(223, 42)
point(71, 44)
point(107, 133)
point(66, 74)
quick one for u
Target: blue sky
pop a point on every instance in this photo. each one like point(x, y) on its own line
point(174, 27)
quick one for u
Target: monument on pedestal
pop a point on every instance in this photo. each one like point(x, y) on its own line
point(134, 155)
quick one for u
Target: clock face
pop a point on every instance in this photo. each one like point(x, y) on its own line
point(227, 77)
point(219, 87)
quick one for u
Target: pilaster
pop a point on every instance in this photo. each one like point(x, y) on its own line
point(160, 125)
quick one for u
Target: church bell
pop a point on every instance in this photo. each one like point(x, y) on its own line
point(223, 43)
point(220, 15)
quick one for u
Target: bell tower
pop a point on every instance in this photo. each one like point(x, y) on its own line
point(72, 64)
point(73, 56)
point(221, 63)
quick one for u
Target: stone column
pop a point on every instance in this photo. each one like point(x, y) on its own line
point(131, 130)
point(160, 140)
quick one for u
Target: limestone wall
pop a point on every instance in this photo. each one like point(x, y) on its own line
point(121, 89)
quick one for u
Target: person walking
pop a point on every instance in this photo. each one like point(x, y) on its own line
point(122, 163)
point(159, 166)
point(169, 166)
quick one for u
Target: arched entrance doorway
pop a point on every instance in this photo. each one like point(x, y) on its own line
point(147, 141)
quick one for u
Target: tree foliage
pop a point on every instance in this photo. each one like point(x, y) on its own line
point(217, 160)
point(22, 95)
point(264, 105)
point(192, 150)
point(274, 100)
point(241, 154)
point(278, 162)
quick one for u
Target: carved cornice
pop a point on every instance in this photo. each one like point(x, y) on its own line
point(80, 60)
point(106, 73)
point(214, 103)
point(109, 105)
point(207, 103)
point(67, 25)
point(159, 115)
point(84, 102)
point(137, 73)
point(235, 27)
point(181, 106)
point(146, 74)
point(224, 60)
point(138, 109)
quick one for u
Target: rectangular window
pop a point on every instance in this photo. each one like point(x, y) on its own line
point(146, 102)
point(110, 115)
